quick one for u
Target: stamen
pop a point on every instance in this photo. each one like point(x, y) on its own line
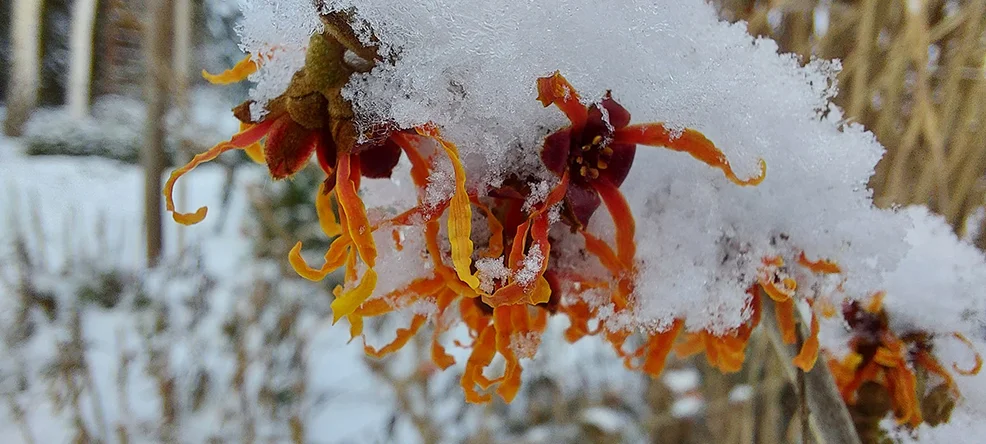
point(607, 151)
point(579, 160)
point(593, 173)
point(597, 140)
point(601, 164)
point(586, 147)
point(583, 171)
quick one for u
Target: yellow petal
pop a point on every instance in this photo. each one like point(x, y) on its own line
point(350, 300)
point(335, 257)
point(460, 219)
point(542, 292)
point(237, 73)
point(326, 217)
point(169, 186)
point(357, 222)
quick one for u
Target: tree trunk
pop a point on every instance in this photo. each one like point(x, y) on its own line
point(157, 45)
point(25, 71)
point(181, 66)
point(80, 57)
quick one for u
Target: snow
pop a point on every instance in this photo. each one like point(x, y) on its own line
point(81, 196)
point(689, 70)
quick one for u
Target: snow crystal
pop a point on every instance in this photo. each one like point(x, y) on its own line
point(490, 271)
point(525, 345)
point(275, 33)
point(531, 266)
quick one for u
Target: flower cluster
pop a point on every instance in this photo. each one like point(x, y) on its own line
point(505, 283)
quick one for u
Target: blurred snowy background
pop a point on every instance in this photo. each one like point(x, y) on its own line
point(218, 340)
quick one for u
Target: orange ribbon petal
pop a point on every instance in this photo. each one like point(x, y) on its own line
point(237, 73)
point(350, 300)
point(403, 336)
point(689, 141)
point(805, 360)
point(555, 89)
point(482, 354)
point(460, 215)
point(619, 209)
point(335, 257)
point(823, 266)
point(784, 311)
point(659, 346)
point(246, 137)
point(354, 211)
point(979, 359)
point(327, 219)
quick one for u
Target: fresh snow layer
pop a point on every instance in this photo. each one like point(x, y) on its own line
point(471, 66)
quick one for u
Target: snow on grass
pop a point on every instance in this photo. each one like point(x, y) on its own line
point(60, 205)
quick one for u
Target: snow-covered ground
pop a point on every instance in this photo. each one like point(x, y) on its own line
point(86, 214)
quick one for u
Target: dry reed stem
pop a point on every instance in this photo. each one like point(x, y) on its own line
point(914, 74)
point(829, 419)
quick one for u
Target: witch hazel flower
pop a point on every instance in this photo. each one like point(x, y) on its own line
point(509, 166)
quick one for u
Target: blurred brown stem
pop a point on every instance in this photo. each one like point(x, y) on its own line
point(829, 422)
point(157, 45)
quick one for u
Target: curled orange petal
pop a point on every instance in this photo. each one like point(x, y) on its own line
point(357, 222)
point(438, 355)
point(239, 72)
point(403, 336)
point(495, 244)
point(503, 323)
point(619, 209)
point(658, 347)
point(247, 136)
point(482, 354)
point(555, 89)
point(326, 217)
point(979, 359)
point(169, 186)
point(335, 257)
point(823, 266)
point(784, 311)
point(805, 360)
point(689, 141)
